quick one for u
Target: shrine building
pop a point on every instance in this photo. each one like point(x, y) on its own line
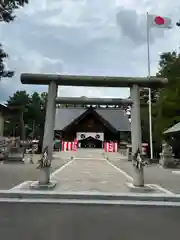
point(92, 126)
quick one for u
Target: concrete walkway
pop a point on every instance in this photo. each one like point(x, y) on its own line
point(87, 170)
point(85, 174)
point(90, 175)
point(115, 156)
point(91, 153)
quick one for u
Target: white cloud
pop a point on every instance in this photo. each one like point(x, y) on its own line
point(85, 37)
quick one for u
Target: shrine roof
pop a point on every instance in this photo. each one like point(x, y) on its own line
point(116, 117)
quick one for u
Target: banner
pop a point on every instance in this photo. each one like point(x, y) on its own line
point(95, 135)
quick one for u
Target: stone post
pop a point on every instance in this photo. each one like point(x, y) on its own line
point(136, 138)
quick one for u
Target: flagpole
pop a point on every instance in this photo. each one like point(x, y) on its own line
point(150, 101)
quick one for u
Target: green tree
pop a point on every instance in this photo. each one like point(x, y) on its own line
point(19, 103)
point(167, 110)
point(37, 111)
point(29, 114)
point(7, 8)
point(144, 95)
point(165, 102)
point(3, 71)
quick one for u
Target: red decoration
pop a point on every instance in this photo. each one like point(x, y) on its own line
point(159, 20)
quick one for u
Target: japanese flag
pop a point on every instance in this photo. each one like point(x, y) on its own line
point(159, 21)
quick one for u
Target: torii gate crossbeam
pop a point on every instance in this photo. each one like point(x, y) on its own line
point(94, 101)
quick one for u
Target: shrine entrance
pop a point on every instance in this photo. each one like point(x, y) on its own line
point(90, 139)
point(90, 142)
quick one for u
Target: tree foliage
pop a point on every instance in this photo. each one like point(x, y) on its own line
point(7, 15)
point(29, 114)
point(167, 107)
point(144, 95)
point(7, 8)
point(165, 102)
point(4, 72)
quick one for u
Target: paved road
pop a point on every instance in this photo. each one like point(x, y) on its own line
point(52, 221)
point(12, 174)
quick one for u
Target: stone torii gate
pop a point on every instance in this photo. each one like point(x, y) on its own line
point(55, 80)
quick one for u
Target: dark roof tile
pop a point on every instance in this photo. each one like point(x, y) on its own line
point(64, 116)
point(116, 117)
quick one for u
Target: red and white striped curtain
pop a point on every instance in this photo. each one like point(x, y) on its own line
point(69, 146)
point(110, 146)
point(144, 148)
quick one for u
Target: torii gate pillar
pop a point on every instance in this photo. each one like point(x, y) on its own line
point(136, 135)
point(49, 127)
point(50, 117)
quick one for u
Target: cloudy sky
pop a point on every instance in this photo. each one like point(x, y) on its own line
point(94, 37)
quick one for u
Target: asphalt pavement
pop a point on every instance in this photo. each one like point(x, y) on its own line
point(87, 221)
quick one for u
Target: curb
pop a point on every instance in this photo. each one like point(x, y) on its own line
point(89, 196)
